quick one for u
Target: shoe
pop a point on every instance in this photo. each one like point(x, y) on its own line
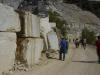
point(60, 59)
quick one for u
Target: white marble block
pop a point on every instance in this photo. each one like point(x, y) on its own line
point(9, 19)
point(31, 26)
point(7, 50)
point(53, 41)
point(45, 25)
point(52, 24)
point(45, 28)
point(29, 50)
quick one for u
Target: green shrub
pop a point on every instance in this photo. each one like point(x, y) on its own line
point(89, 35)
point(59, 22)
point(1, 1)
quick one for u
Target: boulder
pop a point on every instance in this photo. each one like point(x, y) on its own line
point(7, 50)
point(9, 19)
point(53, 41)
point(29, 50)
point(30, 25)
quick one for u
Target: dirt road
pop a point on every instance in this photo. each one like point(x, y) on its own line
point(84, 62)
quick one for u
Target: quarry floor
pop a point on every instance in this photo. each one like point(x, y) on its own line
point(78, 62)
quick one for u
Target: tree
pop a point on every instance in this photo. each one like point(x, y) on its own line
point(59, 22)
point(89, 35)
point(1, 1)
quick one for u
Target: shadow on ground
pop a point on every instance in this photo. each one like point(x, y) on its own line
point(52, 58)
point(86, 61)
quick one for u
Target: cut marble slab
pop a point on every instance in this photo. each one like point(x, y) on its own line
point(29, 50)
point(9, 19)
point(53, 41)
point(45, 25)
point(31, 25)
point(7, 50)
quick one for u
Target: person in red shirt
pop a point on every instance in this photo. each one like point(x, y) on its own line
point(98, 48)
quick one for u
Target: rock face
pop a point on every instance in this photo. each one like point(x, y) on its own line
point(7, 50)
point(53, 41)
point(75, 16)
point(30, 25)
point(11, 24)
point(12, 3)
point(89, 17)
point(29, 50)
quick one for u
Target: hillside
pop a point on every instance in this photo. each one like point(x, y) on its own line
point(76, 17)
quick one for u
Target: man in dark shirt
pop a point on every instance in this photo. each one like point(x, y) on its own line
point(98, 48)
point(63, 48)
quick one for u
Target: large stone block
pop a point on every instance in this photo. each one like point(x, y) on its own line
point(45, 25)
point(29, 50)
point(52, 24)
point(44, 29)
point(53, 41)
point(30, 25)
point(13, 3)
point(9, 19)
point(7, 50)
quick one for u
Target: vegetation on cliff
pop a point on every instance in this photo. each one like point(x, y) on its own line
point(89, 35)
point(59, 22)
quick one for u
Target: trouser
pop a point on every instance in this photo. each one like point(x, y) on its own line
point(60, 55)
point(98, 53)
point(84, 45)
point(77, 45)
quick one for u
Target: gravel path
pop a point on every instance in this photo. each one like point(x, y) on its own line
point(84, 62)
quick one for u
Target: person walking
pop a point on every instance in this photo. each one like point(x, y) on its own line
point(84, 43)
point(63, 46)
point(77, 43)
point(81, 42)
point(67, 45)
point(98, 48)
